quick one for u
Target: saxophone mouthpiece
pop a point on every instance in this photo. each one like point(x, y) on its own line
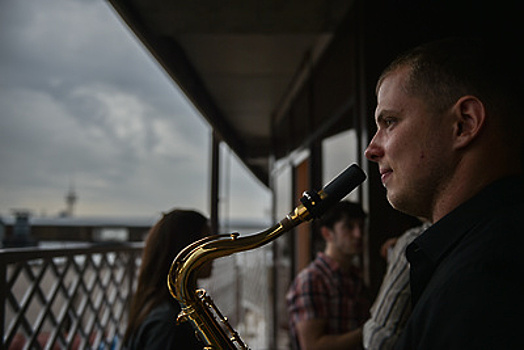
point(334, 191)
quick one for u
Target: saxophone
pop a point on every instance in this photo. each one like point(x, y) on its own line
point(211, 327)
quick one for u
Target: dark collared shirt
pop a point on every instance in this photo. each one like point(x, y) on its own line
point(467, 275)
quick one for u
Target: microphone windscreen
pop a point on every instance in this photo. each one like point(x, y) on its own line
point(334, 191)
point(345, 182)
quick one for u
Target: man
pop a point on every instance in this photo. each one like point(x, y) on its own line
point(392, 307)
point(449, 149)
point(328, 301)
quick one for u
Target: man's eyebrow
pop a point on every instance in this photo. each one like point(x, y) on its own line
point(385, 113)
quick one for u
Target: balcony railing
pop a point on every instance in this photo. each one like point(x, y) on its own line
point(73, 297)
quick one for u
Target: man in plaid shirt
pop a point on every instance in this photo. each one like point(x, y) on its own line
point(328, 301)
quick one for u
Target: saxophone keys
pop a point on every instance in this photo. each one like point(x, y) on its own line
point(182, 317)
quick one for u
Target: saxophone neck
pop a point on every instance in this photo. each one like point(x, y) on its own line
point(306, 211)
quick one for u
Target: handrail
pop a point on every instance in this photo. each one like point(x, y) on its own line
point(18, 254)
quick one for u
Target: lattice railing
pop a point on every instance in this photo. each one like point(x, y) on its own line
point(70, 298)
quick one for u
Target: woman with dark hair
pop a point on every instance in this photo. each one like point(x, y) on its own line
point(152, 317)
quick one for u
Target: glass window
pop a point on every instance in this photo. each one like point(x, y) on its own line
point(243, 199)
point(338, 152)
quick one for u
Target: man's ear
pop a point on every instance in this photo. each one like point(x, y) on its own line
point(326, 233)
point(470, 117)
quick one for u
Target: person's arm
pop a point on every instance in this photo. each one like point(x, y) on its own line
point(311, 337)
point(384, 249)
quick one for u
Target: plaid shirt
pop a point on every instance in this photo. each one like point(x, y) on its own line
point(323, 291)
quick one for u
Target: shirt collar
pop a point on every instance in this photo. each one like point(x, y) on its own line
point(427, 251)
point(444, 234)
point(334, 266)
point(330, 262)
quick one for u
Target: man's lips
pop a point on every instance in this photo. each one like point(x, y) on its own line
point(384, 175)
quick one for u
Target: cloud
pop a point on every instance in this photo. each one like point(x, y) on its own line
point(83, 103)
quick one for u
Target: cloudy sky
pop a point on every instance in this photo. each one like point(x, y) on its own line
point(82, 104)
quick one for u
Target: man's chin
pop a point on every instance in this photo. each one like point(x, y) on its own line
point(396, 202)
point(391, 198)
point(405, 206)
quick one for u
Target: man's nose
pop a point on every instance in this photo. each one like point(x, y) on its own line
point(373, 152)
point(357, 232)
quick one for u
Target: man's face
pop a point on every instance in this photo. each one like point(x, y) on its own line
point(412, 147)
point(347, 236)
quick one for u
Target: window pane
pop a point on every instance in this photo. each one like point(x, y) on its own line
point(338, 152)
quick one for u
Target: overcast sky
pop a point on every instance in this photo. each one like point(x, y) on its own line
point(82, 104)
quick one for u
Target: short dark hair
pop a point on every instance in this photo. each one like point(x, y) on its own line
point(444, 70)
point(341, 210)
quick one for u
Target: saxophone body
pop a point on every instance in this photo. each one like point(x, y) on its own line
point(211, 327)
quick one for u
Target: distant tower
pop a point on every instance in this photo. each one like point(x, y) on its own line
point(71, 199)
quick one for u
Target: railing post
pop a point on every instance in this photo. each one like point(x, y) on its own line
point(215, 181)
point(131, 266)
point(3, 296)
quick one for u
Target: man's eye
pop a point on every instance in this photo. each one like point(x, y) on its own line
point(386, 122)
point(349, 227)
point(389, 121)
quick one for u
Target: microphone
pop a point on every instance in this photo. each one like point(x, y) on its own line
point(318, 203)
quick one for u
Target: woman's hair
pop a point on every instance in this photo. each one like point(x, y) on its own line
point(172, 233)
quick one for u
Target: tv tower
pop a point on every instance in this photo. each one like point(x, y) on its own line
point(71, 199)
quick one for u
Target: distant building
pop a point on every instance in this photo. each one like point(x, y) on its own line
point(19, 234)
point(2, 230)
point(100, 229)
point(80, 229)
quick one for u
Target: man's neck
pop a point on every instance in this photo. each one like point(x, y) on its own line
point(470, 177)
point(344, 262)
